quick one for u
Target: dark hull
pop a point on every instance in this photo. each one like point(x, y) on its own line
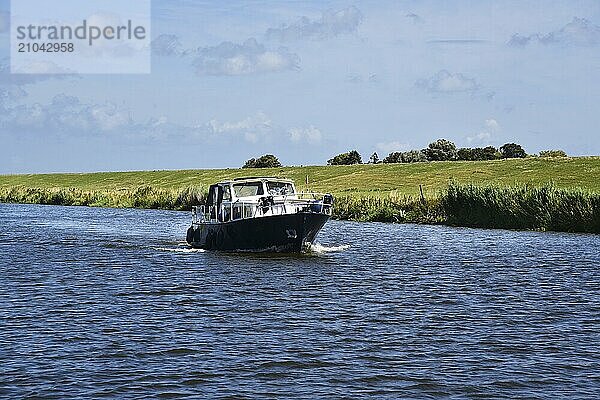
point(289, 233)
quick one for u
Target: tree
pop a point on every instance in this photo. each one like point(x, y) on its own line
point(512, 150)
point(352, 157)
point(414, 156)
point(266, 161)
point(393, 157)
point(406, 157)
point(466, 154)
point(374, 158)
point(491, 153)
point(553, 153)
point(441, 150)
point(477, 153)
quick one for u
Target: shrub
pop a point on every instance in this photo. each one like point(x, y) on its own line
point(477, 153)
point(406, 157)
point(352, 157)
point(512, 150)
point(441, 150)
point(266, 161)
point(553, 153)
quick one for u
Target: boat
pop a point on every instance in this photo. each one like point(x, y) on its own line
point(258, 214)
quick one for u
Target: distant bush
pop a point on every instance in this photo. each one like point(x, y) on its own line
point(441, 150)
point(478, 154)
point(352, 157)
point(445, 150)
point(553, 153)
point(266, 161)
point(512, 150)
point(374, 159)
point(406, 157)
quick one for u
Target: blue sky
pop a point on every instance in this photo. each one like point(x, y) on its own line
point(307, 80)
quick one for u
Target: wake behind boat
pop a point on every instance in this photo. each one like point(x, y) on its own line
point(258, 214)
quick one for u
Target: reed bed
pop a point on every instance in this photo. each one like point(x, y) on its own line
point(392, 209)
point(524, 207)
point(140, 197)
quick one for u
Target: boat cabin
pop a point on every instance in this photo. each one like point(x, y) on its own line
point(250, 189)
point(255, 197)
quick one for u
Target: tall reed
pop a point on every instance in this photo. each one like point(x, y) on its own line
point(391, 209)
point(516, 207)
point(141, 197)
point(522, 207)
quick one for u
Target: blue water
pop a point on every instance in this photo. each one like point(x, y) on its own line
point(111, 303)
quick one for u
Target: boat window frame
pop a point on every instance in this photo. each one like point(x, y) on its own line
point(226, 197)
point(287, 183)
point(259, 192)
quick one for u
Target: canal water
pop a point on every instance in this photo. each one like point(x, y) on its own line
point(111, 303)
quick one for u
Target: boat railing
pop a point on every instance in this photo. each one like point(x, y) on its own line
point(310, 195)
point(232, 211)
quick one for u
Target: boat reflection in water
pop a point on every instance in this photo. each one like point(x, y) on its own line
point(258, 214)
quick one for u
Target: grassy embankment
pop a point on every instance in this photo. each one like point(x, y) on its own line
point(542, 194)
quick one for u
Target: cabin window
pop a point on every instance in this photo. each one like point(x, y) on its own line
point(280, 188)
point(226, 193)
point(248, 189)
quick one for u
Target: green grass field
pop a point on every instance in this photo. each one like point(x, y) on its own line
point(379, 180)
point(534, 193)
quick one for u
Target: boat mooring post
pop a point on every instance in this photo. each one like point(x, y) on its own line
point(422, 196)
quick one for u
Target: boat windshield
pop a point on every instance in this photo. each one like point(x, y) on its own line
point(248, 189)
point(280, 188)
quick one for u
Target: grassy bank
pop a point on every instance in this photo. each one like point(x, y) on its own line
point(513, 194)
point(381, 180)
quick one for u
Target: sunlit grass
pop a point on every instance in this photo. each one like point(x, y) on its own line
point(381, 180)
point(540, 194)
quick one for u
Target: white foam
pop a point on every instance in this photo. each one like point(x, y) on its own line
point(181, 250)
point(320, 249)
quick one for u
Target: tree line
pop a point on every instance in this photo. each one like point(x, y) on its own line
point(440, 150)
point(444, 150)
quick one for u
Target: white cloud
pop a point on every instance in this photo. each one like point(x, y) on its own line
point(331, 24)
point(578, 32)
point(310, 135)
point(446, 82)
point(390, 147)
point(492, 124)
point(481, 137)
point(258, 122)
point(243, 59)
point(229, 58)
point(485, 136)
point(66, 115)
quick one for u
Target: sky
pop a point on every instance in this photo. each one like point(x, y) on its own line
point(311, 79)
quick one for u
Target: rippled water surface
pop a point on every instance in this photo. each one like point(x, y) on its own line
point(111, 303)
